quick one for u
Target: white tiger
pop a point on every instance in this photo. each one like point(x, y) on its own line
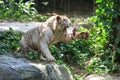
point(49, 32)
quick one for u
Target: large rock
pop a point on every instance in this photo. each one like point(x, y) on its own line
point(21, 69)
point(101, 77)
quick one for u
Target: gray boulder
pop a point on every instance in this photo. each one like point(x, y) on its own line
point(21, 69)
point(101, 77)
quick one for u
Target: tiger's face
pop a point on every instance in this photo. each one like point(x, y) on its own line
point(60, 23)
point(63, 23)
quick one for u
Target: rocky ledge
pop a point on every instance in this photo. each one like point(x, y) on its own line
point(101, 77)
point(21, 69)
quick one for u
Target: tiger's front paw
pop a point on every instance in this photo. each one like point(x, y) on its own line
point(51, 59)
point(85, 35)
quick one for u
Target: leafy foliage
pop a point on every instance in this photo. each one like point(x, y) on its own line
point(72, 51)
point(40, 17)
point(104, 34)
point(10, 9)
point(9, 41)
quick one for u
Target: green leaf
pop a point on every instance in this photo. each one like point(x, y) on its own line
point(117, 40)
point(98, 1)
point(118, 27)
point(97, 11)
point(118, 50)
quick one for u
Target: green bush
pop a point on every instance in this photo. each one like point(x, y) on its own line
point(77, 51)
point(40, 18)
point(13, 10)
point(9, 41)
point(105, 40)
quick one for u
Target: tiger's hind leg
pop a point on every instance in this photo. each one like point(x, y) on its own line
point(24, 47)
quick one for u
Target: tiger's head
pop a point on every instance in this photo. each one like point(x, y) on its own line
point(59, 23)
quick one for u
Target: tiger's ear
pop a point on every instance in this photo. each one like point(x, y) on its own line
point(58, 17)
